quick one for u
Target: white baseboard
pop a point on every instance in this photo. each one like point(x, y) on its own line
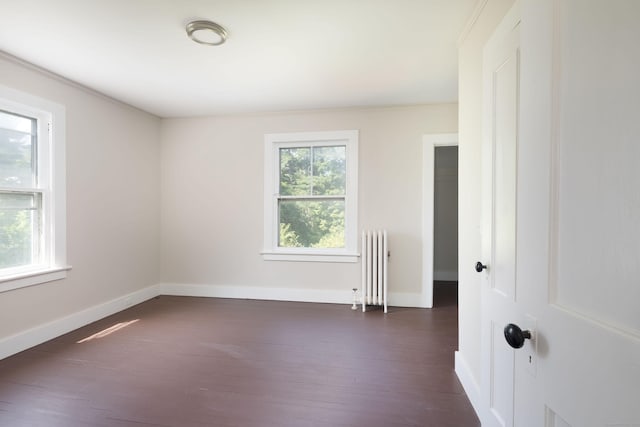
point(40, 334)
point(255, 292)
point(332, 296)
point(406, 299)
point(468, 382)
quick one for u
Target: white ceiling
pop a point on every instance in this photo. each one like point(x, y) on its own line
point(280, 55)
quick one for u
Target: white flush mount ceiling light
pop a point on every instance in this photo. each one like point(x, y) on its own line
point(206, 32)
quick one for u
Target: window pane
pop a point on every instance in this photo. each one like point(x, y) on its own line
point(329, 170)
point(19, 229)
point(17, 151)
point(311, 223)
point(295, 171)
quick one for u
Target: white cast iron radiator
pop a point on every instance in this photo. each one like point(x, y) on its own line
point(374, 268)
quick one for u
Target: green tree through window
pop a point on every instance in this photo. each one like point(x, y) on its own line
point(311, 205)
point(19, 222)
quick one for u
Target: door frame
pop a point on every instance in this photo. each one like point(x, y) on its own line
point(429, 144)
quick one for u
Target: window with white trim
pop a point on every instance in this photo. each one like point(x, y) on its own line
point(311, 194)
point(32, 196)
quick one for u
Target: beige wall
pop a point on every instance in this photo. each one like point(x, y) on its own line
point(212, 196)
point(470, 140)
point(112, 203)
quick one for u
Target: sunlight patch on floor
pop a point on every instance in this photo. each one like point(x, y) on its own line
point(108, 331)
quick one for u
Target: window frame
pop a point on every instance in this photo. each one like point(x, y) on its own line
point(51, 186)
point(273, 143)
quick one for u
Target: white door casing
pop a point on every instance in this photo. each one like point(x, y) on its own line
point(577, 218)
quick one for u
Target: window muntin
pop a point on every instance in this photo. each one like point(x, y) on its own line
point(311, 194)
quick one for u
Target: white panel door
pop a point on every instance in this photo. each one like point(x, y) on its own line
point(499, 237)
point(578, 214)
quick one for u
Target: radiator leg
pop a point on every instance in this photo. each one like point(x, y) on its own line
point(364, 298)
point(385, 263)
point(364, 272)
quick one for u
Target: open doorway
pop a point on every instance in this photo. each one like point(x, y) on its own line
point(445, 226)
point(440, 220)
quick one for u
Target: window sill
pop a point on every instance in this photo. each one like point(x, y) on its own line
point(310, 257)
point(31, 278)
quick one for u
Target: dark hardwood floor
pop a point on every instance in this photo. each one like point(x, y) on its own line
point(218, 362)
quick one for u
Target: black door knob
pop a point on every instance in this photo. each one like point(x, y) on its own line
point(480, 266)
point(515, 336)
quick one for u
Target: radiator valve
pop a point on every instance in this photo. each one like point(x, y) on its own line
point(355, 299)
